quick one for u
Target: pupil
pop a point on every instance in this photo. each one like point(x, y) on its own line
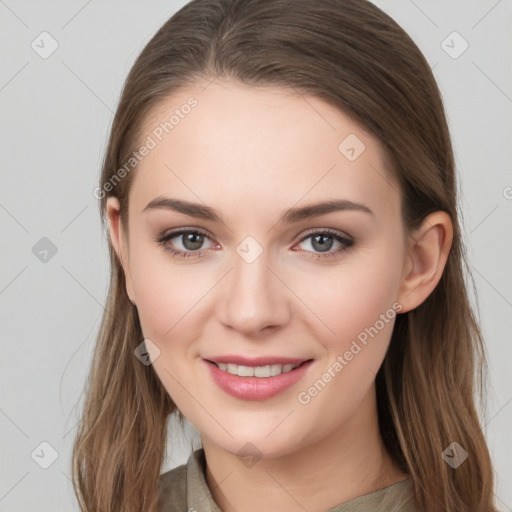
point(193, 241)
point(319, 242)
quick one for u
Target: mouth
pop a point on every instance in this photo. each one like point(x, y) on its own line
point(261, 371)
point(261, 380)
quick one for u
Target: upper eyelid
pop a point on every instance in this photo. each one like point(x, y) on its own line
point(181, 231)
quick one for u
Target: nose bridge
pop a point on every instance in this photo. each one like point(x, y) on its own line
point(255, 298)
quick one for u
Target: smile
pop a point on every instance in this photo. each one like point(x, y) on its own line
point(259, 382)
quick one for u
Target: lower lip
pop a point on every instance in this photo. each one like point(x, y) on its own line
point(256, 388)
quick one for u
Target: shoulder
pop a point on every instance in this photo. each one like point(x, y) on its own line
point(172, 490)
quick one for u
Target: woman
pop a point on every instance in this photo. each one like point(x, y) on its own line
point(287, 274)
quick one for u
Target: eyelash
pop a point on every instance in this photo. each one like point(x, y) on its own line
point(346, 243)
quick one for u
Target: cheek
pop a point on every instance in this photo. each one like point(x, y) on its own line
point(351, 298)
point(165, 292)
point(359, 308)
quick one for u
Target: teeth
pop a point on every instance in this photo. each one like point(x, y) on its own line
point(256, 371)
point(262, 371)
point(275, 369)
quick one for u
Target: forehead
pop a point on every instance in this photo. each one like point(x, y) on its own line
point(228, 143)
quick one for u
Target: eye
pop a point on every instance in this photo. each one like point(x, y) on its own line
point(186, 243)
point(189, 242)
point(320, 243)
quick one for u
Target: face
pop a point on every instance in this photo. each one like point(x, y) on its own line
point(253, 275)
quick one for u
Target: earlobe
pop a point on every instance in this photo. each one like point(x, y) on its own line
point(426, 259)
point(118, 242)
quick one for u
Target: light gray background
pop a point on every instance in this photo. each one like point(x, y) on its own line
point(55, 115)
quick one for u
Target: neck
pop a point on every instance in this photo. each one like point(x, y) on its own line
point(308, 478)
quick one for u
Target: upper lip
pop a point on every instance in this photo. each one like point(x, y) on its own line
point(255, 361)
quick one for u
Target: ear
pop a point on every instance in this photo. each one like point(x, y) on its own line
point(119, 243)
point(427, 253)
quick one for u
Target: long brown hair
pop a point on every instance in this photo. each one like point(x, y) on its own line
point(353, 56)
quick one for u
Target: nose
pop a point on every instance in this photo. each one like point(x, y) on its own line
point(255, 300)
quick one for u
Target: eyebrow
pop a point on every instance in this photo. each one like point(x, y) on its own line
point(290, 216)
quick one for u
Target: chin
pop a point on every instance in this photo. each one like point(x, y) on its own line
point(256, 441)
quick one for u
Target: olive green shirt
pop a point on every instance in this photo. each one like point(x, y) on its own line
point(184, 489)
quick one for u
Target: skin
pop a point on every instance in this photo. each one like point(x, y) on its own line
point(252, 153)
